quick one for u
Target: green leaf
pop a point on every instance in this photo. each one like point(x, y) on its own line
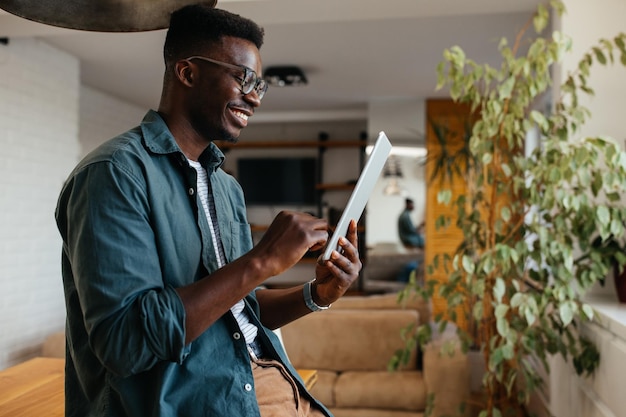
point(499, 289)
point(567, 313)
point(505, 213)
point(603, 215)
point(477, 311)
point(619, 41)
point(501, 310)
point(503, 43)
point(506, 88)
point(468, 264)
point(508, 351)
point(530, 316)
point(517, 300)
point(444, 196)
point(458, 54)
point(441, 79)
point(599, 55)
point(588, 310)
point(540, 119)
point(540, 21)
point(617, 227)
point(558, 6)
point(506, 169)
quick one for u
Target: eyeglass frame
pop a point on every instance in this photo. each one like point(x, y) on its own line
point(259, 85)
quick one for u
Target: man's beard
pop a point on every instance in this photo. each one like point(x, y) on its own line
point(226, 136)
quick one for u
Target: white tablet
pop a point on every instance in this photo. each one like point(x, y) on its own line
point(361, 193)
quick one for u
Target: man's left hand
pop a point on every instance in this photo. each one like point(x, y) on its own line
point(334, 276)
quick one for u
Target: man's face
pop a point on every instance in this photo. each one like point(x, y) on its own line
point(218, 108)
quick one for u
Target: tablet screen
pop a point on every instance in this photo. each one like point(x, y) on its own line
point(361, 193)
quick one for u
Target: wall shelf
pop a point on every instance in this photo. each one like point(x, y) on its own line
point(322, 145)
point(292, 144)
point(336, 187)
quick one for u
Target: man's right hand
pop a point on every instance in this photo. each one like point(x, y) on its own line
point(288, 238)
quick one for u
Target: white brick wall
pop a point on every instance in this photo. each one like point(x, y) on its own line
point(39, 88)
point(47, 123)
point(103, 117)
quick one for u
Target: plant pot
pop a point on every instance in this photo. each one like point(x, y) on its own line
point(620, 285)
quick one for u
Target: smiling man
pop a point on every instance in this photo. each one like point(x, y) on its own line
point(165, 316)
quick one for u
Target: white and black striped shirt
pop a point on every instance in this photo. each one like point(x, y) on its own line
point(248, 329)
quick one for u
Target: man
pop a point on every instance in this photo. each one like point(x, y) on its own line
point(164, 313)
point(410, 236)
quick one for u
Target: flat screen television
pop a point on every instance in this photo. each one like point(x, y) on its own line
point(278, 181)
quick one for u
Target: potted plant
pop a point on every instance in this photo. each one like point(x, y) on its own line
point(529, 219)
point(612, 249)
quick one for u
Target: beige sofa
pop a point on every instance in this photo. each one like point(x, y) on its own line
point(351, 344)
point(386, 263)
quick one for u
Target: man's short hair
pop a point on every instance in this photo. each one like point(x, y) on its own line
point(195, 27)
point(408, 201)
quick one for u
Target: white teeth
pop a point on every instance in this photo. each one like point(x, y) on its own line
point(241, 115)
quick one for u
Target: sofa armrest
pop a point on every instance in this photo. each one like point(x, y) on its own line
point(347, 340)
point(385, 302)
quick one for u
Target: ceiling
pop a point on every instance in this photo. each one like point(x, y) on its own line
point(353, 51)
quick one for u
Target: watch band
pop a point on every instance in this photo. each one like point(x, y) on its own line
point(308, 298)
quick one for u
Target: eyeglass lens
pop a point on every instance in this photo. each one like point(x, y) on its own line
point(251, 82)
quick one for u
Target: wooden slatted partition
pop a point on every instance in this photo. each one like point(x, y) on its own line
point(453, 117)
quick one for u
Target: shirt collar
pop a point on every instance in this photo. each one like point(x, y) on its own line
point(158, 139)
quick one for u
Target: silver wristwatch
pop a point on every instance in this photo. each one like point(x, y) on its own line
point(308, 298)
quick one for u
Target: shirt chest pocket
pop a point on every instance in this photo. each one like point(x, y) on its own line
point(236, 238)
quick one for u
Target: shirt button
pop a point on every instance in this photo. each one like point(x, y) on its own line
point(236, 336)
point(247, 387)
point(191, 191)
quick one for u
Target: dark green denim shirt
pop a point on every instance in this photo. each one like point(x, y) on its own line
point(133, 230)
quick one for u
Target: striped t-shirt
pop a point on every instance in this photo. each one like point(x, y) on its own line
point(248, 329)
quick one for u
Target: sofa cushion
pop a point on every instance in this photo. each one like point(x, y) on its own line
point(404, 390)
point(348, 340)
point(385, 264)
point(324, 388)
point(385, 302)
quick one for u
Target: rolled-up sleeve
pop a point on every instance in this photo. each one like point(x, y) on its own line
point(132, 316)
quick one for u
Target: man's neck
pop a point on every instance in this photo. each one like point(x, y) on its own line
point(189, 142)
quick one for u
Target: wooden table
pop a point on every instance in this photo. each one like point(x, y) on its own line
point(33, 389)
point(309, 376)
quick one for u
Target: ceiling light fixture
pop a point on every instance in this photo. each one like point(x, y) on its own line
point(392, 167)
point(394, 187)
point(283, 76)
point(393, 173)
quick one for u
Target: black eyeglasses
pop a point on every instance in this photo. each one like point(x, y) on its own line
point(250, 81)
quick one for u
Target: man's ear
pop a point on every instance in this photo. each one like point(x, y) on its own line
point(184, 72)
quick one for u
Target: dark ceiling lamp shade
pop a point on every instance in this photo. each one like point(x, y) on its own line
point(392, 167)
point(283, 76)
point(99, 15)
